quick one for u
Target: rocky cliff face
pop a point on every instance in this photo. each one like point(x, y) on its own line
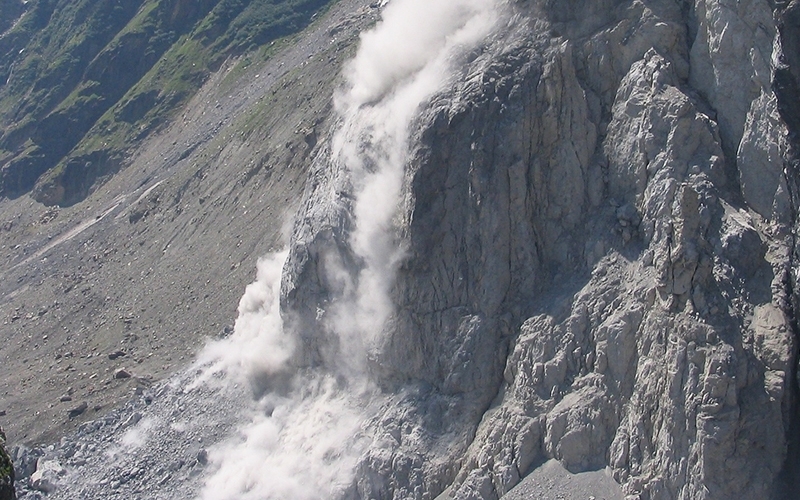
point(598, 225)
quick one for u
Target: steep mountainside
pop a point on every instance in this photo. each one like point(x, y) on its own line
point(156, 260)
point(515, 233)
point(599, 243)
point(84, 81)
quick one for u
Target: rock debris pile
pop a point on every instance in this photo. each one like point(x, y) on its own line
point(154, 447)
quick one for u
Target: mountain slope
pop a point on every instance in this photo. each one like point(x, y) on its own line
point(598, 237)
point(513, 232)
point(184, 224)
point(86, 80)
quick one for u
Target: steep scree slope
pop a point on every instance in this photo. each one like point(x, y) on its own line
point(156, 261)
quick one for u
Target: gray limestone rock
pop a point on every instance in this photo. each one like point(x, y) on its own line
point(47, 475)
point(598, 267)
point(595, 227)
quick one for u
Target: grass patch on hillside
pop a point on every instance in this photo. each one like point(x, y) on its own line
point(252, 29)
point(258, 30)
point(107, 74)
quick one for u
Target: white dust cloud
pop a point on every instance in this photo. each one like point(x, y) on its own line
point(258, 346)
point(304, 440)
point(303, 447)
point(409, 39)
point(407, 58)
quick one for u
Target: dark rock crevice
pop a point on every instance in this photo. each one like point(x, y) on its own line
point(786, 76)
point(7, 490)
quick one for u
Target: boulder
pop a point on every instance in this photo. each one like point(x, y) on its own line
point(47, 475)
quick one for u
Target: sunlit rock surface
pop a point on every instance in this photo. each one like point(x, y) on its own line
point(598, 231)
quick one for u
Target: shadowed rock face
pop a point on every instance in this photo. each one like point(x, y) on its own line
point(787, 68)
point(6, 471)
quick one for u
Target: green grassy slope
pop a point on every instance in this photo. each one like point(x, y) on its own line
point(82, 81)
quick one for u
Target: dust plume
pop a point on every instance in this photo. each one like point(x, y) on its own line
point(305, 434)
